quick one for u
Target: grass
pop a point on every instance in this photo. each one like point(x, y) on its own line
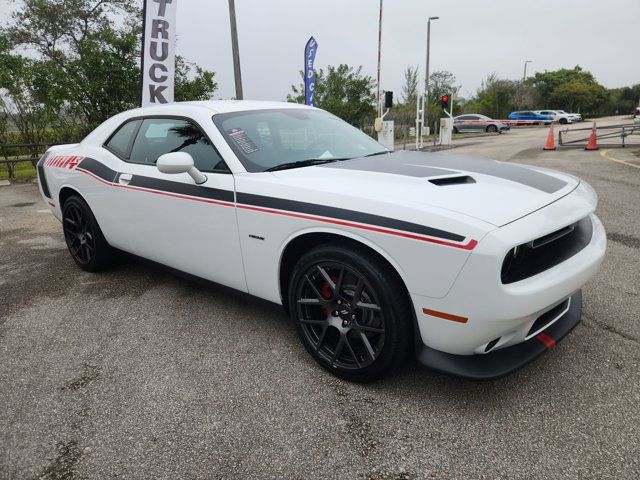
point(23, 171)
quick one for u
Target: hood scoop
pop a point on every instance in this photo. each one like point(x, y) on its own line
point(446, 181)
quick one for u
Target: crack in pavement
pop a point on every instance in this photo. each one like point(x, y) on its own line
point(609, 328)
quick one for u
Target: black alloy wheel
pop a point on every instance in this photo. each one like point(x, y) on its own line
point(85, 241)
point(351, 313)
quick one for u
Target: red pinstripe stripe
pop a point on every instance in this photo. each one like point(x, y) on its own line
point(470, 245)
point(175, 195)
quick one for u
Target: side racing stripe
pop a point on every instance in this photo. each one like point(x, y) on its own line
point(276, 206)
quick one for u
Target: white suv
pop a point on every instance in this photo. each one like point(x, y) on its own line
point(561, 118)
point(576, 116)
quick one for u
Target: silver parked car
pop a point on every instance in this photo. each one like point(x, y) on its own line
point(475, 122)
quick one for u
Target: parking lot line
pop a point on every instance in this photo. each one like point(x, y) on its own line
point(603, 154)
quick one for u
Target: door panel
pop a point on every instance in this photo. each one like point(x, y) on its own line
point(168, 218)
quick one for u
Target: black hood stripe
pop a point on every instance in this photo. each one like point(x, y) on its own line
point(274, 205)
point(343, 214)
point(425, 165)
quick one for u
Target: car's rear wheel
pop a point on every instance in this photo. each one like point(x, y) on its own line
point(455, 130)
point(563, 121)
point(83, 236)
point(351, 311)
point(492, 128)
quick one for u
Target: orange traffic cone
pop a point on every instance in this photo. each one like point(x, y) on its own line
point(593, 139)
point(550, 140)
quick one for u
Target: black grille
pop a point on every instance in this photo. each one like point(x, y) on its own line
point(541, 254)
point(546, 318)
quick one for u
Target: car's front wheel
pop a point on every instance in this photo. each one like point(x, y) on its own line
point(351, 310)
point(492, 128)
point(83, 236)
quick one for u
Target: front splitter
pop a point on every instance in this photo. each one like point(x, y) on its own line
point(506, 360)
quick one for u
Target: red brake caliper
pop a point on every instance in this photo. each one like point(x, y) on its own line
point(326, 293)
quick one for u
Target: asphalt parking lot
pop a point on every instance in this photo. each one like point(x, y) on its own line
point(135, 373)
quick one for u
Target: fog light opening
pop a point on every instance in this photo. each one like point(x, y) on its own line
point(491, 344)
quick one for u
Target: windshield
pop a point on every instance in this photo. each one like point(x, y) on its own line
point(264, 139)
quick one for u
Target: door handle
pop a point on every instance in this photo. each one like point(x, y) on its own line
point(125, 178)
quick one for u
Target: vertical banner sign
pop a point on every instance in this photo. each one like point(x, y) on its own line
point(158, 51)
point(309, 74)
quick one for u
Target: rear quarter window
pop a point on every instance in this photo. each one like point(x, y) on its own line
point(122, 139)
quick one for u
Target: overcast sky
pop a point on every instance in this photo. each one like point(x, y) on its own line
point(472, 39)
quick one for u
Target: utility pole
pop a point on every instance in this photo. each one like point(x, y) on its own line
point(235, 49)
point(379, 61)
point(524, 76)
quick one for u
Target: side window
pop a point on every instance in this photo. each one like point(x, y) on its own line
point(158, 136)
point(120, 142)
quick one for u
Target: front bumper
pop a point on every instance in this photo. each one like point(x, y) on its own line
point(504, 361)
point(480, 315)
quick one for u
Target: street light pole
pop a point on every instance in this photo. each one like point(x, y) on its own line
point(426, 75)
point(524, 76)
point(235, 49)
point(422, 126)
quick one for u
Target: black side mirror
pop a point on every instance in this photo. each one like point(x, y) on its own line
point(388, 99)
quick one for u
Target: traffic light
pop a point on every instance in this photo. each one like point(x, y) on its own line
point(444, 101)
point(388, 99)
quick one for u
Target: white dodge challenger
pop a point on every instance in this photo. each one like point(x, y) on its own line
point(474, 266)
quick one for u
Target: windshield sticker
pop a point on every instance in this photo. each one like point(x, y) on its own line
point(243, 140)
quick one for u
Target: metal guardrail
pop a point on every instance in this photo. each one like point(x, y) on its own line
point(621, 132)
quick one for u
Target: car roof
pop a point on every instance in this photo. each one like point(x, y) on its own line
point(209, 107)
point(226, 106)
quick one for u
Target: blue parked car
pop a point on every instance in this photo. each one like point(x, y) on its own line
point(531, 115)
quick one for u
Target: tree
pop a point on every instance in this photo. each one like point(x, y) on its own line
point(19, 103)
point(498, 97)
point(442, 83)
point(578, 95)
point(86, 57)
point(410, 87)
point(343, 91)
point(190, 85)
point(569, 89)
point(622, 100)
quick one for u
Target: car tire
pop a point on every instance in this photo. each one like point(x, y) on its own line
point(491, 129)
point(85, 241)
point(563, 121)
point(455, 130)
point(352, 312)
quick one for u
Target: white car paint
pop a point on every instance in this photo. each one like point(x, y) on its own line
point(577, 117)
point(558, 116)
point(240, 244)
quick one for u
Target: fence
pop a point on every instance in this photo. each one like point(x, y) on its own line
point(14, 153)
point(621, 133)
